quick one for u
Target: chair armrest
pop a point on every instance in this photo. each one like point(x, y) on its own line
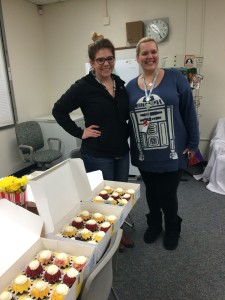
point(29, 151)
point(59, 143)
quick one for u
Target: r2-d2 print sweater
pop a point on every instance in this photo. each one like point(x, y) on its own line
point(162, 128)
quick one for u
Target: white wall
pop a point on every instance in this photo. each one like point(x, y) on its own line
point(47, 53)
point(24, 33)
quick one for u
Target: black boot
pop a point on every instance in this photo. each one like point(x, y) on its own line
point(154, 228)
point(172, 233)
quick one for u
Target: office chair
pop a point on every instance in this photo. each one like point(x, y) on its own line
point(75, 153)
point(30, 143)
point(99, 283)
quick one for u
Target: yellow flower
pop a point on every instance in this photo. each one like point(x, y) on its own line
point(12, 184)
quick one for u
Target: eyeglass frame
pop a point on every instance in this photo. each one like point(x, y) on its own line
point(105, 59)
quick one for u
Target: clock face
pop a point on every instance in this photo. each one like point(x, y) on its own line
point(157, 30)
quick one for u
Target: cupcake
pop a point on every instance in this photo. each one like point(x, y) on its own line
point(122, 202)
point(79, 262)
point(60, 292)
point(98, 199)
point(108, 189)
point(127, 196)
point(21, 284)
point(77, 222)
point(70, 277)
point(115, 195)
point(6, 295)
point(111, 200)
point(91, 225)
point(120, 191)
point(131, 192)
point(85, 234)
point(34, 269)
point(85, 215)
point(104, 194)
point(111, 219)
point(52, 274)
point(105, 226)
point(62, 260)
point(40, 290)
point(45, 257)
point(69, 231)
point(98, 236)
point(98, 217)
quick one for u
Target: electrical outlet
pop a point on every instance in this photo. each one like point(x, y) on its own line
point(106, 21)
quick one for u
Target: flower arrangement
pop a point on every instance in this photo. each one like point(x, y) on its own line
point(12, 184)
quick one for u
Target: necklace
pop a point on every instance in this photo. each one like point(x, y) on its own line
point(113, 80)
point(152, 84)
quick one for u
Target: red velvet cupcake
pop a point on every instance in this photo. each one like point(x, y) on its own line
point(105, 226)
point(115, 196)
point(91, 225)
point(77, 222)
point(52, 274)
point(34, 269)
point(127, 196)
point(104, 194)
point(70, 277)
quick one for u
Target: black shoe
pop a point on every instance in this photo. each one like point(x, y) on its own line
point(170, 241)
point(151, 234)
point(172, 234)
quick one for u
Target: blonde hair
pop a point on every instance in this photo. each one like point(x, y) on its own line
point(144, 40)
point(99, 42)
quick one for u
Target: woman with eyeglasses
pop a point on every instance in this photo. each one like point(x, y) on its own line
point(103, 100)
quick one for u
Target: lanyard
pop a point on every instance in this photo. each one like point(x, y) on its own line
point(148, 95)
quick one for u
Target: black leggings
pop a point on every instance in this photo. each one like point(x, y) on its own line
point(161, 193)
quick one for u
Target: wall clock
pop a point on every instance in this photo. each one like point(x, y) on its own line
point(157, 29)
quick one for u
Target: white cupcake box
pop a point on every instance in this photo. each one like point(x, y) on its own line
point(20, 232)
point(65, 190)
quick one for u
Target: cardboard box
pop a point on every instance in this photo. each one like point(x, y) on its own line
point(63, 191)
point(20, 242)
point(97, 184)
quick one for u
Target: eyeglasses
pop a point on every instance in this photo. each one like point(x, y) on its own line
point(101, 60)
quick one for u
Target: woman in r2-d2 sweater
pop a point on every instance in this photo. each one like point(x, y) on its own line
point(164, 133)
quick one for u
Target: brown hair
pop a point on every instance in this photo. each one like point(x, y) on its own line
point(99, 42)
point(144, 40)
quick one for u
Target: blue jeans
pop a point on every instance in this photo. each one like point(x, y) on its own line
point(114, 169)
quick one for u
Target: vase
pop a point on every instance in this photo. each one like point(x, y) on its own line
point(17, 198)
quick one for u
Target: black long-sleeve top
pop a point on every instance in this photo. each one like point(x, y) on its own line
point(99, 108)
